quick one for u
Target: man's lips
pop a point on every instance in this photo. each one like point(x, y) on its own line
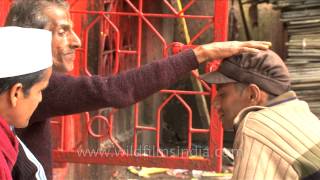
point(70, 55)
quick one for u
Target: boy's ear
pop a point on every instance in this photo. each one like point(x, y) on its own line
point(254, 93)
point(15, 93)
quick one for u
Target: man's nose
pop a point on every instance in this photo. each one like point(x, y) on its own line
point(75, 41)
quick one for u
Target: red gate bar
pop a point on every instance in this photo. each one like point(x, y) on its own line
point(67, 149)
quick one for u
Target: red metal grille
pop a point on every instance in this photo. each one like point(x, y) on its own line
point(117, 36)
point(4, 8)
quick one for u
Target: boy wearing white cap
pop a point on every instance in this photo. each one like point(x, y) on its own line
point(25, 69)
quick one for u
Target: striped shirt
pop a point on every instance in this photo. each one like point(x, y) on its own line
point(281, 141)
point(40, 174)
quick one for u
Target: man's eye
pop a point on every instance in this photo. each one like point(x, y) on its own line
point(61, 32)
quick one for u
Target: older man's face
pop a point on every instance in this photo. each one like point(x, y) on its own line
point(229, 102)
point(64, 39)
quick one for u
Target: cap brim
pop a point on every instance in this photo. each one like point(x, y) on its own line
point(216, 77)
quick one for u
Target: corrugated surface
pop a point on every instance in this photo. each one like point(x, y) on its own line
point(302, 21)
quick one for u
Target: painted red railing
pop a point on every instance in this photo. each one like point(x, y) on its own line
point(109, 21)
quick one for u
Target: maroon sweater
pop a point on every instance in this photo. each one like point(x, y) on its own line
point(68, 95)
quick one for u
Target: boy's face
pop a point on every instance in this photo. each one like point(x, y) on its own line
point(27, 103)
point(64, 39)
point(229, 102)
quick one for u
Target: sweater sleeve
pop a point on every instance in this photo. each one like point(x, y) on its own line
point(67, 95)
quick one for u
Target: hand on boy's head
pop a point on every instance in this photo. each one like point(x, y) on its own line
point(221, 50)
point(253, 46)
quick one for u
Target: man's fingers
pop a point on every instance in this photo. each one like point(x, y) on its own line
point(248, 50)
point(262, 42)
point(262, 45)
point(267, 43)
point(220, 50)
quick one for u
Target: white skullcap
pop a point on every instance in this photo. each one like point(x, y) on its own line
point(24, 50)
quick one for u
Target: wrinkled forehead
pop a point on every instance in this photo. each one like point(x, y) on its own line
point(59, 17)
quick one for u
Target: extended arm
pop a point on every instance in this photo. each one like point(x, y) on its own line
point(68, 95)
